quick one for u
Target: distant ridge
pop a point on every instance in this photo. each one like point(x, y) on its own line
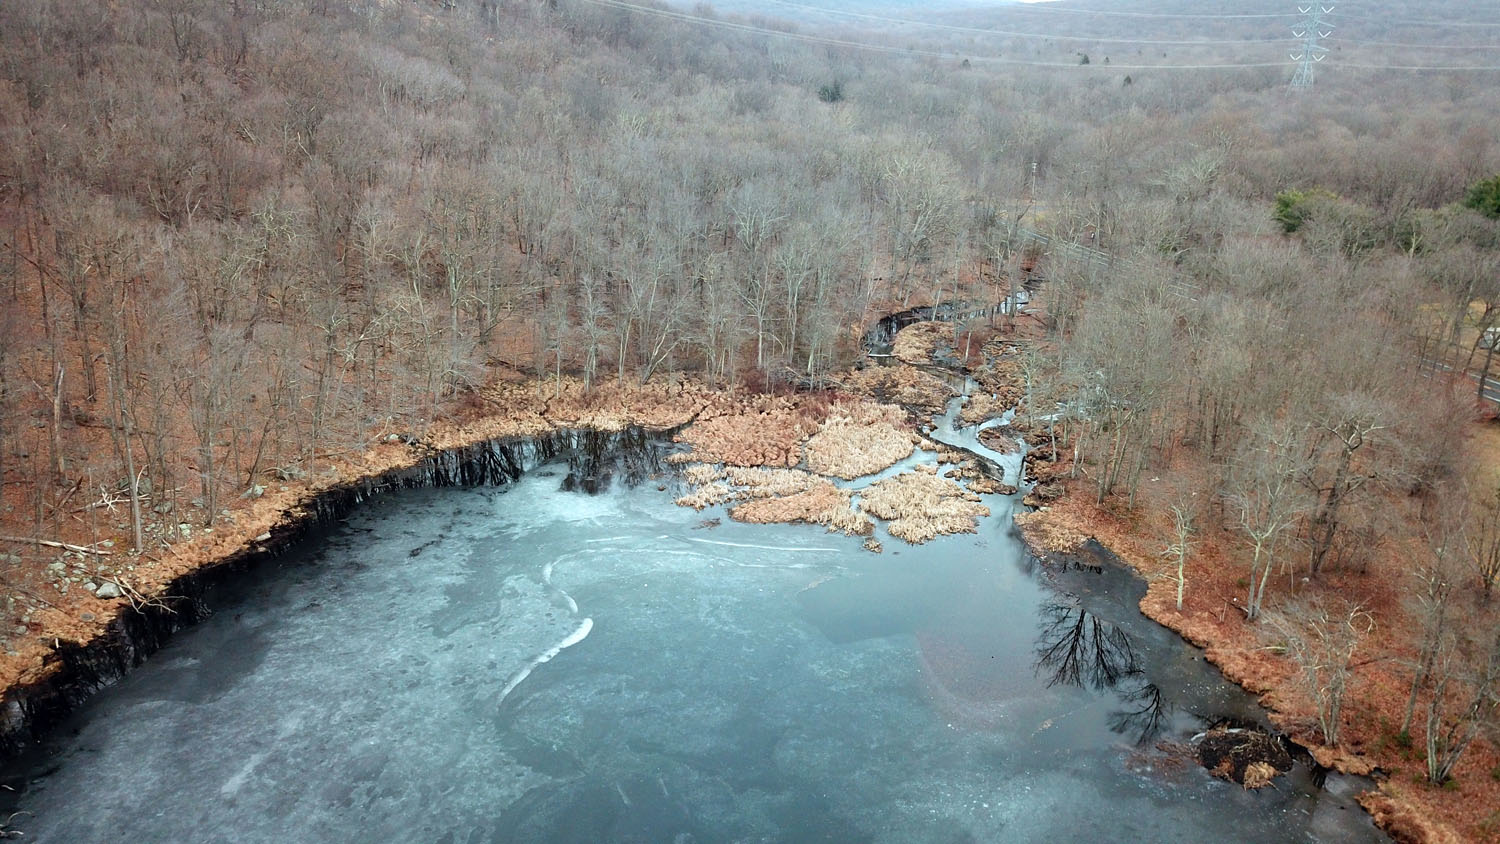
point(871, 7)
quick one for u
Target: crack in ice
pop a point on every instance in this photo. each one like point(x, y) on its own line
point(546, 656)
point(761, 547)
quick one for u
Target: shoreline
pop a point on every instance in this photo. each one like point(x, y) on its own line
point(459, 454)
point(1046, 535)
point(76, 671)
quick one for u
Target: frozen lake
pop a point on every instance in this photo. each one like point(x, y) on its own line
point(533, 664)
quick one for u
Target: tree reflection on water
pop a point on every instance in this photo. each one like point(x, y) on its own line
point(1077, 648)
point(1145, 712)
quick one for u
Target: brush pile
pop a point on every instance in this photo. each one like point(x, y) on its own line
point(918, 343)
point(1003, 440)
point(984, 406)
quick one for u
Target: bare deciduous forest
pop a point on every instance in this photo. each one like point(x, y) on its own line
point(242, 240)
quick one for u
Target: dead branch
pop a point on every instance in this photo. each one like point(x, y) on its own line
point(31, 540)
point(139, 602)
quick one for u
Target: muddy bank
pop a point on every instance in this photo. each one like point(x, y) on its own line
point(75, 672)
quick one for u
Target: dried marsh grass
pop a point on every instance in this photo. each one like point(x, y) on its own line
point(859, 440)
point(702, 474)
point(901, 384)
point(707, 496)
point(1049, 531)
point(822, 504)
point(919, 342)
point(920, 505)
point(767, 432)
point(761, 482)
point(739, 483)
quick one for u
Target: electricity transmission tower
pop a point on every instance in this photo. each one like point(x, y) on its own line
point(1312, 30)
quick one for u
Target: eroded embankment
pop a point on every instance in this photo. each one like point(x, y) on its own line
point(76, 671)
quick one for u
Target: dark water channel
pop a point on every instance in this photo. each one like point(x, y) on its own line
point(538, 663)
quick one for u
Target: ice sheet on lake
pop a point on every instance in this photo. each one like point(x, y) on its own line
point(768, 683)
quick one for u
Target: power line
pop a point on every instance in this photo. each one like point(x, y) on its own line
point(1014, 34)
point(1420, 66)
point(1051, 9)
point(1388, 21)
point(736, 26)
point(1313, 51)
point(1361, 43)
point(1103, 40)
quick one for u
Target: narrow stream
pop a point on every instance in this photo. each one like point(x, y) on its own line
point(536, 663)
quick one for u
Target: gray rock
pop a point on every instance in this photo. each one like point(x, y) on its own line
point(109, 590)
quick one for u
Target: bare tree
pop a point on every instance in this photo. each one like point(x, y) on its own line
point(1183, 516)
point(1483, 539)
point(1472, 673)
point(1262, 489)
point(1322, 642)
point(1352, 423)
point(1434, 582)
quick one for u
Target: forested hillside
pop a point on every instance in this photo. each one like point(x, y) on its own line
point(241, 238)
point(293, 224)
